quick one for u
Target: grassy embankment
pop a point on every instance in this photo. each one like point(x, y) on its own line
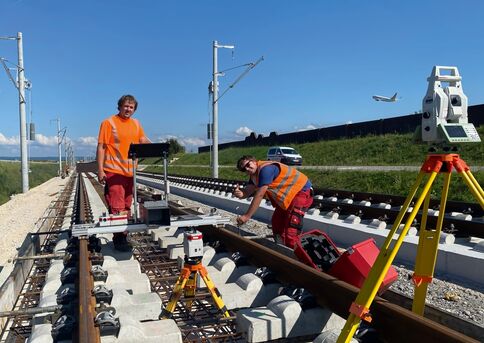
point(11, 178)
point(387, 150)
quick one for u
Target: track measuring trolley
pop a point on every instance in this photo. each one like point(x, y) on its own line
point(153, 214)
point(444, 123)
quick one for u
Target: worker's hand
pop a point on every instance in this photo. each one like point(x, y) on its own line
point(101, 177)
point(238, 192)
point(242, 219)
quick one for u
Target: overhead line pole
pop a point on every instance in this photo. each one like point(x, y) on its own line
point(23, 123)
point(59, 145)
point(215, 114)
point(215, 108)
point(66, 153)
point(23, 126)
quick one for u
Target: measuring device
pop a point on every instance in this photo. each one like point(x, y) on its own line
point(187, 283)
point(444, 121)
point(444, 109)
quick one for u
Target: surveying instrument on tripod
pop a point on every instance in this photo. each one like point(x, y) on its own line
point(188, 280)
point(444, 122)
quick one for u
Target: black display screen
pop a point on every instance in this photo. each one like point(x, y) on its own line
point(455, 131)
point(148, 150)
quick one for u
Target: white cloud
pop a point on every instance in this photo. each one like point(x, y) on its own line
point(164, 138)
point(40, 139)
point(47, 146)
point(87, 141)
point(243, 131)
point(9, 140)
point(190, 143)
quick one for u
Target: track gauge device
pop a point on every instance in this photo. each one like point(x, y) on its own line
point(444, 109)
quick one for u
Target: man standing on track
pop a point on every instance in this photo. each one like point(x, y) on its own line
point(288, 189)
point(114, 167)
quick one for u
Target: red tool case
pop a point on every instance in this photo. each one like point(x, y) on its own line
point(355, 263)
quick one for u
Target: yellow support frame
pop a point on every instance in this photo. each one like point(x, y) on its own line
point(428, 239)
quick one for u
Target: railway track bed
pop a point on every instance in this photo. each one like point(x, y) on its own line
point(257, 287)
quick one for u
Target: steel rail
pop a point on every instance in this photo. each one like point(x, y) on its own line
point(87, 331)
point(393, 323)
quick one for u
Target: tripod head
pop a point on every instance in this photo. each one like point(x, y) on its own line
point(444, 111)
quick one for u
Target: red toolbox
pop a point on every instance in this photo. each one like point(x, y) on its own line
point(355, 263)
point(316, 249)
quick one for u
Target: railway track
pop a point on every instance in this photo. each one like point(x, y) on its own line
point(463, 219)
point(393, 323)
point(352, 218)
point(87, 331)
point(30, 271)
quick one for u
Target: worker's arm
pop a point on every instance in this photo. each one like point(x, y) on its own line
point(254, 205)
point(100, 153)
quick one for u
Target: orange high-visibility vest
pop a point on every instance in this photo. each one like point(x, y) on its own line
point(285, 186)
point(117, 134)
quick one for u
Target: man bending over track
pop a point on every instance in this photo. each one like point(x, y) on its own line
point(288, 190)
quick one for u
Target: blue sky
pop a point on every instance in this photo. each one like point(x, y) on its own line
point(323, 62)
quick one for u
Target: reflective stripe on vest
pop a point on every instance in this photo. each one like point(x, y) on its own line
point(117, 162)
point(285, 186)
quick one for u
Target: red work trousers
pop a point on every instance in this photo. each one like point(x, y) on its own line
point(119, 193)
point(287, 224)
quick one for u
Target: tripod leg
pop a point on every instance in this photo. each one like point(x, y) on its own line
point(474, 181)
point(428, 245)
point(360, 308)
point(175, 295)
point(217, 298)
point(190, 289)
point(403, 211)
point(474, 186)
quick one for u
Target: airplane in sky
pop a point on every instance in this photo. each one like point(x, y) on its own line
point(385, 98)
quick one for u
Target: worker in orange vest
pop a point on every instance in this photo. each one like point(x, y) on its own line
point(288, 190)
point(114, 167)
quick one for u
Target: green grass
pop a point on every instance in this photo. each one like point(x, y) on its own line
point(390, 150)
point(11, 178)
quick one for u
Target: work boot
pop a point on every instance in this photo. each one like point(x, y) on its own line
point(120, 242)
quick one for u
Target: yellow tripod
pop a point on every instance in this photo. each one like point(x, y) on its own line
point(427, 244)
point(187, 282)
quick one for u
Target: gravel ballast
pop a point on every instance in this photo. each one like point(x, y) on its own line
point(19, 215)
